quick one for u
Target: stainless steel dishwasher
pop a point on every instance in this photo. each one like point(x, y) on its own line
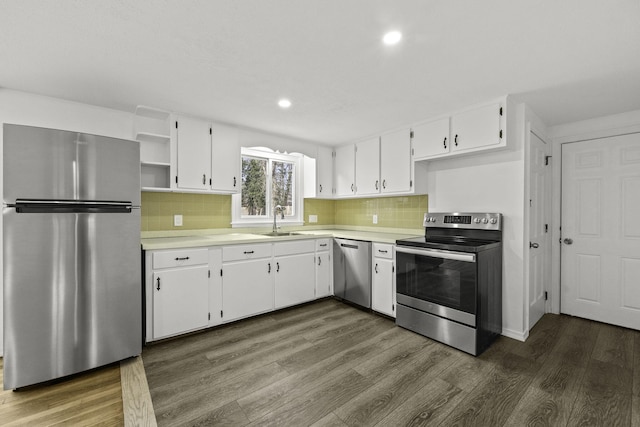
point(352, 271)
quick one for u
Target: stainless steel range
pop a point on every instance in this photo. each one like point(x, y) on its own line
point(449, 282)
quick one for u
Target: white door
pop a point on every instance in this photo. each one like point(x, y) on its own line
point(323, 274)
point(225, 159)
point(247, 288)
point(368, 166)
point(345, 166)
point(431, 139)
point(324, 168)
point(194, 153)
point(395, 162)
point(539, 233)
point(294, 279)
point(382, 289)
point(180, 300)
point(600, 273)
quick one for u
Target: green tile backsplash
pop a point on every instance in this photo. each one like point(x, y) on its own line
point(204, 211)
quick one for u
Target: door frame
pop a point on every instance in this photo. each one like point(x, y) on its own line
point(540, 133)
point(604, 127)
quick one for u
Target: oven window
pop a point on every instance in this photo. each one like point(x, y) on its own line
point(446, 282)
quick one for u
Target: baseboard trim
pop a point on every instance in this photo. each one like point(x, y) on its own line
point(516, 335)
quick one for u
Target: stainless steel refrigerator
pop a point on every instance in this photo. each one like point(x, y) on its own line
point(71, 260)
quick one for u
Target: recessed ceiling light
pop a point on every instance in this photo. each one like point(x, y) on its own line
point(284, 103)
point(392, 37)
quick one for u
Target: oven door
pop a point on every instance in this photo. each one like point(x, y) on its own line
point(439, 282)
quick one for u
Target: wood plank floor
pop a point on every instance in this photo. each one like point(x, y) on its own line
point(329, 364)
point(89, 399)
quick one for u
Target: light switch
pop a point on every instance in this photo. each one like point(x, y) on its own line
point(177, 220)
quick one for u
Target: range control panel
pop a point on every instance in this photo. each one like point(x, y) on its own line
point(472, 220)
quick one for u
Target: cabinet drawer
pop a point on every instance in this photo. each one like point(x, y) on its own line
point(294, 247)
point(323, 245)
point(242, 252)
point(383, 250)
point(180, 258)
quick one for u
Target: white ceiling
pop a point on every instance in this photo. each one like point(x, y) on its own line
point(231, 60)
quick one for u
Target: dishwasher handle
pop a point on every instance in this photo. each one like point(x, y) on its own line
point(346, 245)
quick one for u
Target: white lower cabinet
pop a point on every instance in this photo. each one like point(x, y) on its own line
point(179, 294)
point(383, 283)
point(294, 272)
point(247, 281)
point(324, 276)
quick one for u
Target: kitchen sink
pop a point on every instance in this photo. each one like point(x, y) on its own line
point(280, 233)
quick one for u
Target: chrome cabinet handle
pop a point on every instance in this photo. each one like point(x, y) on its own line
point(269, 271)
point(377, 185)
point(568, 241)
point(248, 252)
point(277, 267)
point(321, 188)
point(445, 142)
point(383, 251)
point(384, 183)
point(158, 280)
point(182, 258)
point(234, 181)
point(376, 269)
point(455, 140)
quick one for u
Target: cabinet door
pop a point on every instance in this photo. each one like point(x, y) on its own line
point(395, 162)
point(345, 170)
point(431, 139)
point(324, 170)
point(180, 300)
point(477, 128)
point(383, 290)
point(225, 159)
point(368, 167)
point(194, 153)
point(215, 286)
point(294, 279)
point(323, 274)
point(247, 288)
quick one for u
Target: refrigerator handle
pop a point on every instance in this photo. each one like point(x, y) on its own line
point(62, 206)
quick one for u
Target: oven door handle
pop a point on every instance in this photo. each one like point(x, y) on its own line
point(435, 253)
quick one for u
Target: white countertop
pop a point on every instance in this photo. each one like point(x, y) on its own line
point(200, 238)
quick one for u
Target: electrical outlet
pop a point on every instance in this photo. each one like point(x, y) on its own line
point(177, 220)
point(313, 218)
point(375, 219)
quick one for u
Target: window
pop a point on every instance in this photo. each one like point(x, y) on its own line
point(269, 179)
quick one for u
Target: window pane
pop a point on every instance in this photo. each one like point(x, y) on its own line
point(282, 185)
point(254, 186)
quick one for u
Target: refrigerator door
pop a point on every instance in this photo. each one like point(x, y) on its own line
point(72, 292)
point(49, 164)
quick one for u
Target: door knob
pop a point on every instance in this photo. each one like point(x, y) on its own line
point(568, 241)
point(534, 245)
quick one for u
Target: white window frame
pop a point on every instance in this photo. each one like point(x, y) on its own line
point(237, 220)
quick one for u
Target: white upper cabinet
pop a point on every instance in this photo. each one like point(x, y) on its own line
point(324, 173)
point(368, 167)
point(473, 130)
point(152, 129)
point(395, 162)
point(225, 159)
point(478, 128)
point(345, 170)
point(431, 139)
point(194, 153)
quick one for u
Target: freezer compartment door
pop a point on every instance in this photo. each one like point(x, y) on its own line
point(51, 164)
point(72, 293)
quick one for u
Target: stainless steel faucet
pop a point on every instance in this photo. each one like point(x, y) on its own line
point(275, 212)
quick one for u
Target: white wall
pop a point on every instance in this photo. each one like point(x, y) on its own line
point(491, 182)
